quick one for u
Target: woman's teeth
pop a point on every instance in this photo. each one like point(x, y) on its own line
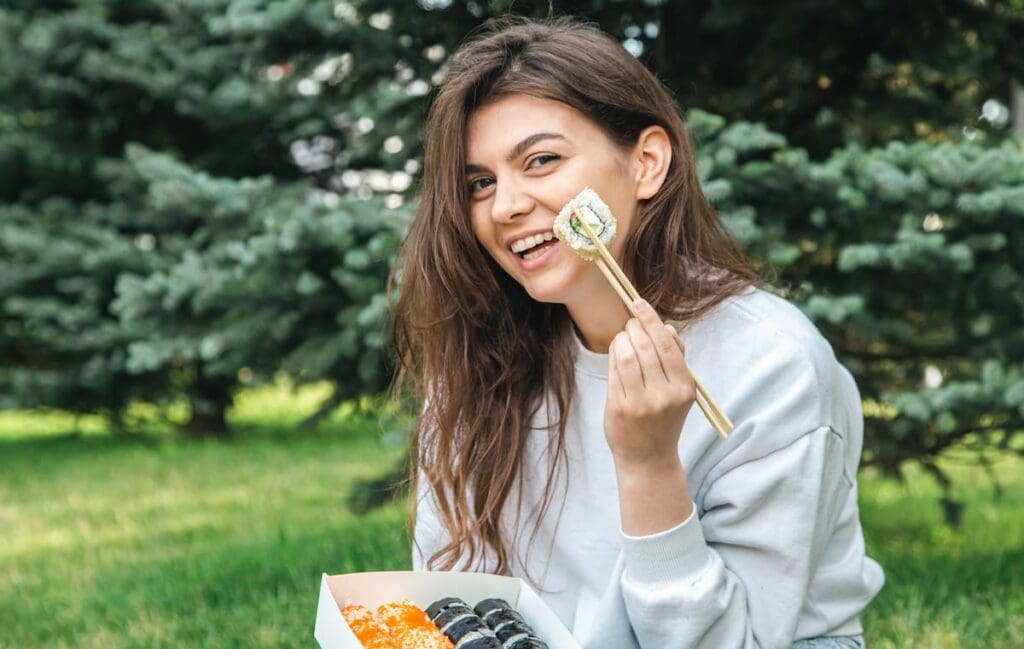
point(536, 252)
point(531, 241)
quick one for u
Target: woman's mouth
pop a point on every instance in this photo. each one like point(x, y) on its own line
point(537, 251)
point(538, 255)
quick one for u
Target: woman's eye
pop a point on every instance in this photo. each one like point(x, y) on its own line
point(541, 160)
point(479, 184)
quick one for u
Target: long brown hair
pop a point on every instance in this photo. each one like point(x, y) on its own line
point(470, 341)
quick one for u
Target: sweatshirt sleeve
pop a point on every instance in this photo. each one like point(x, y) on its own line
point(736, 573)
point(428, 532)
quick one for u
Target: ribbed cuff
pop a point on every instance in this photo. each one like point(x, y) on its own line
point(677, 554)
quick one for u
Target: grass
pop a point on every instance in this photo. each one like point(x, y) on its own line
point(947, 588)
point(157, 542)
point(153, 541)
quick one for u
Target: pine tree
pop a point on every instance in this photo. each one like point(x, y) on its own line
point(910, 258)
point(272, 280)
point(244, 96)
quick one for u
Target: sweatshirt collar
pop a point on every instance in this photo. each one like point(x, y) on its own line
point(587, 361)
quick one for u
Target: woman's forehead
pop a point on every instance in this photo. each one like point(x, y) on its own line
point(496, 128)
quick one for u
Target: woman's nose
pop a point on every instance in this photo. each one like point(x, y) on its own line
point(509, 202)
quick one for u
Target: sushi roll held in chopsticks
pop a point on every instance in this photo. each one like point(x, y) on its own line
point(598, 216)
point(587, 225)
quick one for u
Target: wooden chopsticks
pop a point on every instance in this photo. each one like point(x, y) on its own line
point(613, 273)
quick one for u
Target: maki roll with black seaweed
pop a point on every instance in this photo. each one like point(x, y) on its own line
point(456, 622)
point(514, 635)
point(442, 604)
point(509, 626)
point(510, 631)
point(495, 611)
point(477, 640)
point(529, 642)
point(460, 624)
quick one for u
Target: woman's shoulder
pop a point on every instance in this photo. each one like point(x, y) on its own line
point(756, 319)
point(761, 350)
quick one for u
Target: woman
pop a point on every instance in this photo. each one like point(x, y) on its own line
point(558, 441)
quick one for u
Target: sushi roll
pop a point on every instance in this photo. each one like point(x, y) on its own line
point(505, 630)
point(509, 626)
point(598, 216)
point(367, 628)
point(411, 627)
point(457, 622)
point(495, 610)
point(460, 624)
point(442, 604)
point(498, 617)
point(529, 642)
point(510, 631)
point(518, 636)
point(479, 640)
point(485, 606)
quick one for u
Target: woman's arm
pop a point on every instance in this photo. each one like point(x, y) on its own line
point(650, 392)
point(736, 575)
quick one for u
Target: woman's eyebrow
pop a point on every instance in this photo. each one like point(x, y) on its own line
point(518, 149)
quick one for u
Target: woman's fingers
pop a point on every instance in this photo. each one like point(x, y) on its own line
point(645, 352)
point(649, 391)
point(648, 355)
point(663, 340)
point(614, 379)
point(626, 365)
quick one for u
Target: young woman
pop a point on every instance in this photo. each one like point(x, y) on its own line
point(558, 441)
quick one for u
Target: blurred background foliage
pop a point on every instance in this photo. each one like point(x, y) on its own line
point(202, 195)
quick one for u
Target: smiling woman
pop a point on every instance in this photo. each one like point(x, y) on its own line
point(556, 441)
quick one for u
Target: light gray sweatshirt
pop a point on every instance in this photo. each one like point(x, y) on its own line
point(774, 551)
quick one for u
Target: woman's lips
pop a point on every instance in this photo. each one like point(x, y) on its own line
point(545, 257)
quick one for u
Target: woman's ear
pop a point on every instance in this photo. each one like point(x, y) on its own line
point(652, 155)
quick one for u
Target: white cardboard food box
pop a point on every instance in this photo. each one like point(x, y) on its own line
point(371, 589)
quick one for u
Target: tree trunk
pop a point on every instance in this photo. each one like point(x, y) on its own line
point(1017, 107)
point(208, 399)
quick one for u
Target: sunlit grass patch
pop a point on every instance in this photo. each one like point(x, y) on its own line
point(159, 541)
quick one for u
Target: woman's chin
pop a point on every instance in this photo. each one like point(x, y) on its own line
point(550, 292)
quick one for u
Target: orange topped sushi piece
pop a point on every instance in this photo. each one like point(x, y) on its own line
point(419, 638)
point(369, 630)
point(410, 625)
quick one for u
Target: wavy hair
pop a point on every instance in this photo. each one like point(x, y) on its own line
point(472, 345)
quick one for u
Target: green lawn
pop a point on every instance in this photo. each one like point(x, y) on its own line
point(153, 542)
point(947, 588)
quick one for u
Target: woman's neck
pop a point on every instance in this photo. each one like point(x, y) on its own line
point(599, 317)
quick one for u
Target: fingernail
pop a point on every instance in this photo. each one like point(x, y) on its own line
point(642, 306)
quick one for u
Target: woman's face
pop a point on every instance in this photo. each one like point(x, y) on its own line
point(526, 158)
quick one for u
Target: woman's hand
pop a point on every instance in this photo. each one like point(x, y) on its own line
point(650, 392)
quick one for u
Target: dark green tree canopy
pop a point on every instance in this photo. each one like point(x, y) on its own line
point(199, 194)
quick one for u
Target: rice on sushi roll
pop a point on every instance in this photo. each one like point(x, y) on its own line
point(597, 215)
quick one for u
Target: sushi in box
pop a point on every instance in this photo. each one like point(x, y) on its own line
point(372, 589)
